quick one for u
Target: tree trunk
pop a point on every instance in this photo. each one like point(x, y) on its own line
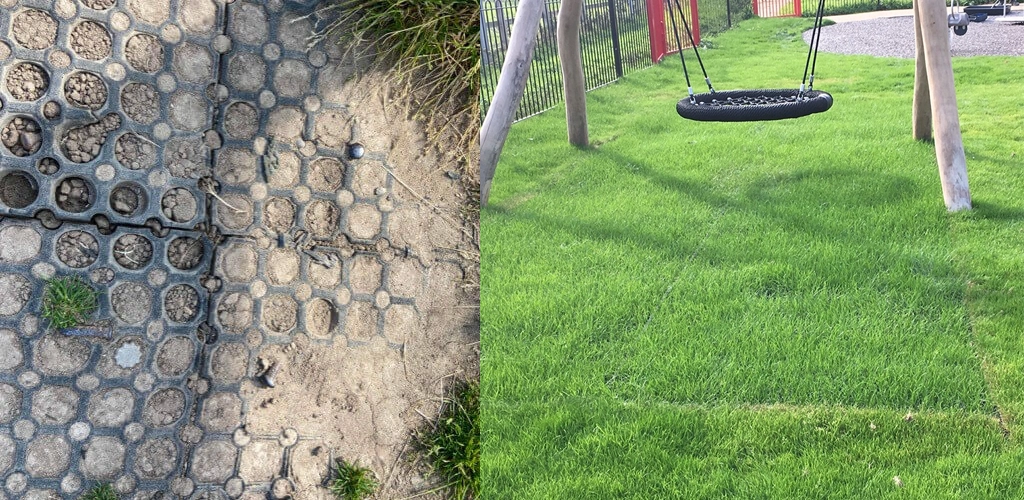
point(922, 110)
point(509, 91)
point(949, 146)
point(572, 71)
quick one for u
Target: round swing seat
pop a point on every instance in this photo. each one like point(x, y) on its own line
point(753, 105)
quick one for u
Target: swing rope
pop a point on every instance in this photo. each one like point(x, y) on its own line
point(815, 43)
point(679, 43)
point(696, 52)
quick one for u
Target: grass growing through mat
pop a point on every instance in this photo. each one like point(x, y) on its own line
point(68, 301)
point(707, 310)
point(452, 445)
point(352, 482)
point(100, 492)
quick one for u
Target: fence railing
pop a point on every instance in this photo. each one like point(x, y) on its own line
point(614, 41)
point(777, 8)
point(839, 7)
point(617, 37)
point(717, 16)
point(677, 10)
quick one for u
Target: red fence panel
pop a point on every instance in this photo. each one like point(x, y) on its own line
point(656, 29)
point(777, 8)
point(663, 41)
point(695, 21)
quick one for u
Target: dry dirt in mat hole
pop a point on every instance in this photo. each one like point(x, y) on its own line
point(27, 82)
point(85, 90)
point(140, 102)
point(145, 53)
point(83, 144)
point(365, 402)
point(90, 40)
point(22, 136)
point(34, 29)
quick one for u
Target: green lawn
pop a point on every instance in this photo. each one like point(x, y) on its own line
point(700, 310)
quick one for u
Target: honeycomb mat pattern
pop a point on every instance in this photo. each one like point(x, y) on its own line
point(121, 120)
point(307, 227)
point(116, 400)
point(118, 130)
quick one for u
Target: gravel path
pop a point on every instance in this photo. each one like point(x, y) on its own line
point(894, 37)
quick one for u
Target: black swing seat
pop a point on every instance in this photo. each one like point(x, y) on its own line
point(753, 105)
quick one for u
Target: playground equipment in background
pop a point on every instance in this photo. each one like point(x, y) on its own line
point(957, 19)
point(1000, 8)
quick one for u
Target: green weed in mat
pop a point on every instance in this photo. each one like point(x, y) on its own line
point(452, 446)
point(68, 301)
point(100, 492)
point(352, 482)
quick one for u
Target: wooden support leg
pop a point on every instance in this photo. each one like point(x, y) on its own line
point(922, 106)
point(572, 71)
point(509, 92)
point(949, 146)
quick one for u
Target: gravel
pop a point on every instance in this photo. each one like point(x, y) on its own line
point(894, 37)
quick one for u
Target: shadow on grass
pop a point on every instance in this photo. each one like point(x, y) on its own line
point(848, 212)
point(802, 202)
point(771, 240)
point(994, 211)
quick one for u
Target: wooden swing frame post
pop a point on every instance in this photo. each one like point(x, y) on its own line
point(922, 102)
point(509, 92)
point(934, 84)
point(573, 83)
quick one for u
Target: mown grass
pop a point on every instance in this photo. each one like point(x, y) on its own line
point(841, 7)
point(706, 310)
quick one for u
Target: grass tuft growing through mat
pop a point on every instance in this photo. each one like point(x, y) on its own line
point(68, 301)
point(434, 48)
point(352, 482)
point(100, 492)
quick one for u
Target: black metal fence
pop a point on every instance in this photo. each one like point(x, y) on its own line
point(613, 36)
point(716, 16)
point(839, 7)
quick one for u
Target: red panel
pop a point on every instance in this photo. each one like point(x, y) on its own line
point(656, 28)
point(777, 8)
point(694, 22)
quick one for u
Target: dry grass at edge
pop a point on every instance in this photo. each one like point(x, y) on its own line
point(432, 49)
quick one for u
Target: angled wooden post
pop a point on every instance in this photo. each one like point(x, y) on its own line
point(509, 91)
point(949, 146)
